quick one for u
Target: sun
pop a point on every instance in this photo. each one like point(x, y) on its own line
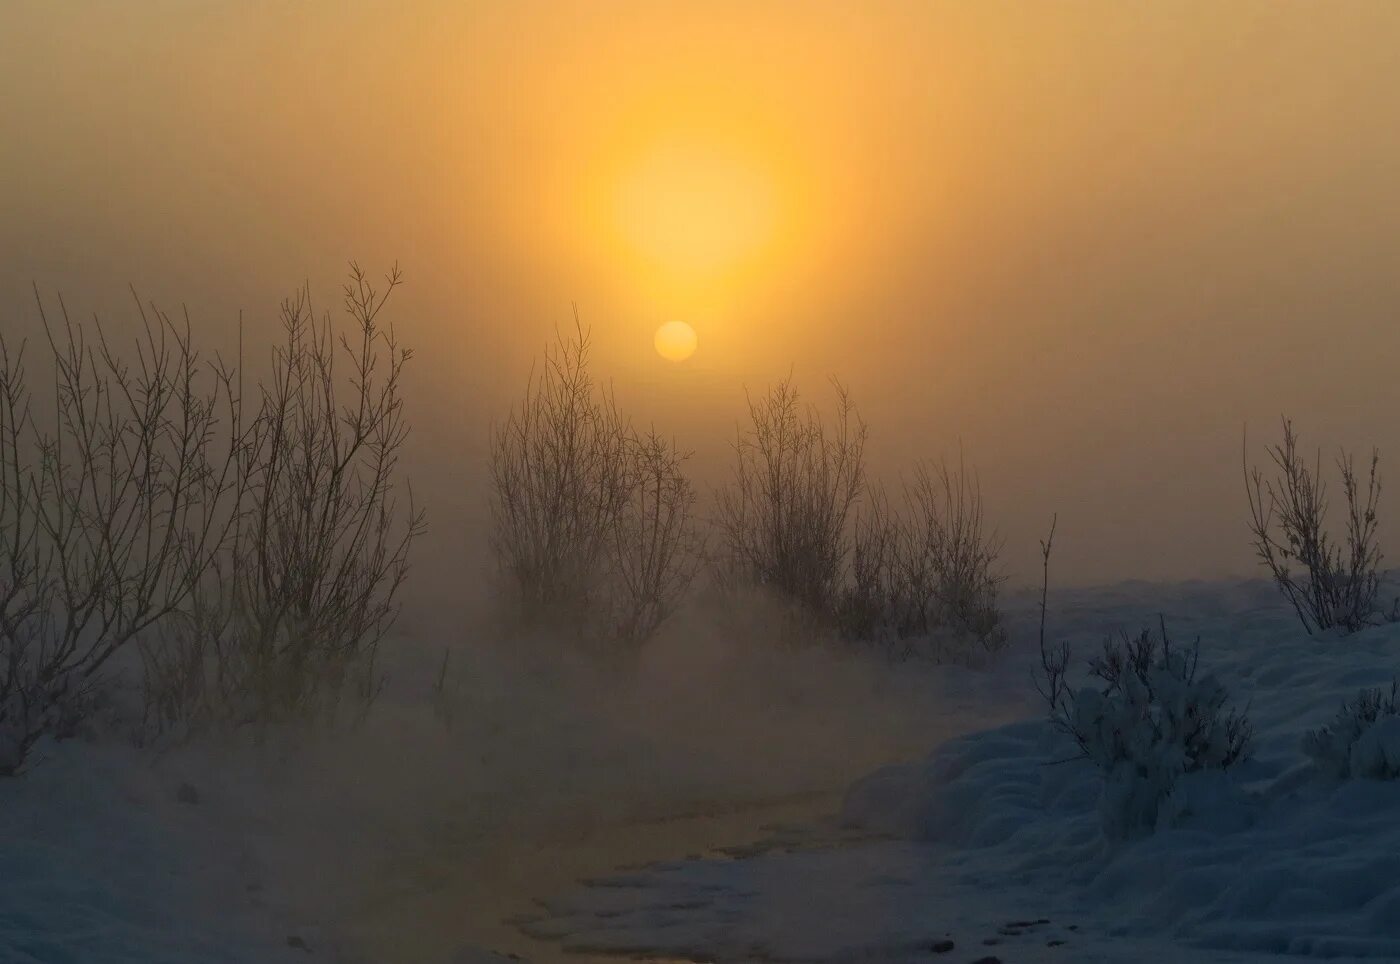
point(676, 341)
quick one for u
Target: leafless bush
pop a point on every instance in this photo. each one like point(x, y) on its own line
point(876, 603)
point(654, 553)
point(1336, 586)
point(591, 520)
point(1051, 677)
point(559, 480)
point(292, 614)
point(784, 518)
point(112, 511)
point(952, 561)
point(925, 578)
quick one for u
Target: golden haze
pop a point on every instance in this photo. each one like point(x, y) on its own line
point(1087, 240)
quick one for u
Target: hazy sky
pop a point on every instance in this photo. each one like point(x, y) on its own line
point(1089, 240)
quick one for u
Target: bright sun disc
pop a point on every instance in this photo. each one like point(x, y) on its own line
point(675, 341)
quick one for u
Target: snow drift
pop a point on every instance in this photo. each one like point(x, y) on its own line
point(996, 839)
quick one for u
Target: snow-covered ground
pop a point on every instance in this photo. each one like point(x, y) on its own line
point(408, 838)
point(105, 859)
point(991, 847)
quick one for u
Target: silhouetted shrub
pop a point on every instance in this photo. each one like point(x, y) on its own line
point(1334, 586)
point(591, 521)
point(925, 580)
point(290, 619)
point(784, 518)
point(877, 603)
point(114, 508)
point(558, 474)
point(654, 551)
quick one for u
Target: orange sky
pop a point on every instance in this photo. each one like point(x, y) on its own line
point(1087, 239)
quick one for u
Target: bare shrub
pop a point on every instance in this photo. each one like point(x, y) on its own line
point(951, 562)
point(291, 619)
point(1335, 585)
point(925, 579)
point(654, 554)
point(112, 511)
point(1363, 739)
point(1051, 676)
point(784, 517)
point(876, 602)
point(591, 520)
point(558, 482)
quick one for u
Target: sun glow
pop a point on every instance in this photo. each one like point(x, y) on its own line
point(687, 202)
point(676, 341)
point(693, 221)
point(703, 208)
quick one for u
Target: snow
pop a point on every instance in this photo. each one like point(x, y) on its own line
point(993, 842)
point(997, 836)
point(1376, 753)
point(102, 862)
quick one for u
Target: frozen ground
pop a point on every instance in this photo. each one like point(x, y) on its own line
point(991, 845)
point(404, 841)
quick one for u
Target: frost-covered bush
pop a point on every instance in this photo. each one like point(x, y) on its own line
point(1363, 739)
point(1152, 720)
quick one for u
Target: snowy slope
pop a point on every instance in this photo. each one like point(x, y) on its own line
point(990, 843)
point(993, 843)
point(103, 860)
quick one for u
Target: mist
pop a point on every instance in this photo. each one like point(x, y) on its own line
point(1087, 244)
point(1080, 247)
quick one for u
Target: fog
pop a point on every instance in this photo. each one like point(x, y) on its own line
point(1082, 245)
point(1088, 242)
point(436, 819)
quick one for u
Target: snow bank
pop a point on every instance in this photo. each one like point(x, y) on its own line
point(1276, 855)
point(994, 840)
